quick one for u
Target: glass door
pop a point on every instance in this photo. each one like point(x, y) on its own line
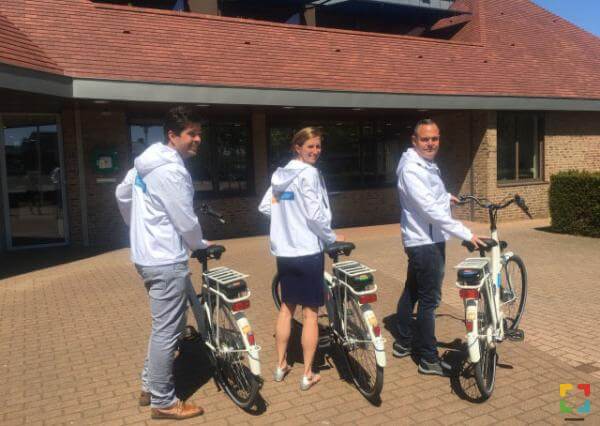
point(33, 181)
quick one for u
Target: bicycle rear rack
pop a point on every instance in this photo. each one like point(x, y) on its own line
point(478, 263)
point(223, 276)
point(352, 269)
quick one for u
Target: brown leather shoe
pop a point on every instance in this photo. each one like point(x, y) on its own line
point(144, 399)
point(178, 411)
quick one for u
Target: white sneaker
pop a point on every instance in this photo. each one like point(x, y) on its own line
point(280, 373)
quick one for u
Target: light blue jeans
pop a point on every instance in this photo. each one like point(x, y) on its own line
point(166, 287)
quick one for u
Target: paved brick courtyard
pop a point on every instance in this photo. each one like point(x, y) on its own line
point(73, 338)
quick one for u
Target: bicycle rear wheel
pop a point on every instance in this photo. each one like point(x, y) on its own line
point(233, 371)
point(359, 352)
point(485, 369)
point(514, 291)
point(276, 291)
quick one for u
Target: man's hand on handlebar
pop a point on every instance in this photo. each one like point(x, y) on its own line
point(340, 238)
point(454, 199)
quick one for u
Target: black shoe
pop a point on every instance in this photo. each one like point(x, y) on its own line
point(436, 368)
point(400, 351)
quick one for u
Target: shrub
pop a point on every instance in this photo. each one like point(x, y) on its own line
point(575, 202)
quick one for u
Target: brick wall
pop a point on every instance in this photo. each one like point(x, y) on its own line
point(572, 141)
point(100, 130)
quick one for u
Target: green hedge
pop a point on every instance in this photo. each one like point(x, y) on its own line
point(575, 202)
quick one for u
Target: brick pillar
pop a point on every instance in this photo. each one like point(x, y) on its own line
point(259, 147)
point(482, 173)
point(209, 7)
point(310, 16)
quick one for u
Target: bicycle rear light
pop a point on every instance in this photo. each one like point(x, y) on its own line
point(367, 298)
point(469, 293)
point(240, 306)
point(377, 331)
point(251, 340)
point(469, 325)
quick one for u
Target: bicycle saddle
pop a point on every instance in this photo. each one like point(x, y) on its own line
point(211, 252)
point(339, 248)
point(489, 243)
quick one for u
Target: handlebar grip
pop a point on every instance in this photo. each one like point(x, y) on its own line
point(522, 205)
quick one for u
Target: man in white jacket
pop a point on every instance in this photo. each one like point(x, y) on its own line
point(426, 224)
point(156, 201)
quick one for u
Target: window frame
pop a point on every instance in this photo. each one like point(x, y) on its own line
point(210, 122)
point(301, 122)
point(539, 131)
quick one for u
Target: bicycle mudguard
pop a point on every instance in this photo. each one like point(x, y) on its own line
point(472, 336)
point(378, 341)
point(244, 327)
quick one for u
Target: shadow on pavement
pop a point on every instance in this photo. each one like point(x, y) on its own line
point(14, 263)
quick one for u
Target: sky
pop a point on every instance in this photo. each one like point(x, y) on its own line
point(583, 13)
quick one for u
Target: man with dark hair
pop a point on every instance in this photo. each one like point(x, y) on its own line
point(156, 201)
point(426, 224)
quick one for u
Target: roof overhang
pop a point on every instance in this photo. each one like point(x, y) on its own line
point(96, 89)
point(27, 80)
point(151, 92)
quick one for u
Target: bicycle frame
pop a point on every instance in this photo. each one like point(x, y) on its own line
point(489, 285)
point(204, 319)
point(338, 316)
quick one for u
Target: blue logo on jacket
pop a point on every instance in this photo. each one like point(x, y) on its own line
point(286, 196)
point(139, 182)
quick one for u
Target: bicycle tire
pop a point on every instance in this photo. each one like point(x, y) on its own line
point(276, 291)
point(360, 357)
point(485, 369)
point(517, 285)
point(233, 372)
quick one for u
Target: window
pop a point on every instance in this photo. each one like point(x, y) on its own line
point(33, 176)
point(222, 165)
point(520, 146)
point(355, 155)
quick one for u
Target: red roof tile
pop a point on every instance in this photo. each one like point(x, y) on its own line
point(16, 49)
point(519, 50)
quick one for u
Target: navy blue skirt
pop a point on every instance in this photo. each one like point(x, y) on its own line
point(301, 279)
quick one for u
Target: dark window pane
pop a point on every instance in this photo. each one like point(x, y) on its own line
point(34, 180)
point(144, 135)
point(340, 158)
point(506, 146)
point(528, 147)
point(232, 144)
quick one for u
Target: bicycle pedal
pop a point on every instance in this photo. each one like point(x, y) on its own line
point(516, 335)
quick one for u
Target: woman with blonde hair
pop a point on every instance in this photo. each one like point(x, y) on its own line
point(298, 205)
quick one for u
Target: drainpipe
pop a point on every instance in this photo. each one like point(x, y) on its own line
point(82, 187)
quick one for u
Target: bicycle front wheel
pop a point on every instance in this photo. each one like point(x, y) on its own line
point(514, 291)
point(233, 371)
point(485, 369)
point(359, 351)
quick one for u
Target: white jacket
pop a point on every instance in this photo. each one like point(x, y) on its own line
point(156, 201)
point(298, 205)
point(426, 216)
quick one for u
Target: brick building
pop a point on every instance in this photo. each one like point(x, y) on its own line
point(84, 85)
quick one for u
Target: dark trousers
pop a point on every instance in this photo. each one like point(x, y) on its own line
point(423, 285)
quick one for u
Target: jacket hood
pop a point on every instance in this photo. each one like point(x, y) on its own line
point(155, 156)
point(283, 176)
point(411, 156)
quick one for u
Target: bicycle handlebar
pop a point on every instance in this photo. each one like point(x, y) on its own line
point(487, 204)
point(205, 209)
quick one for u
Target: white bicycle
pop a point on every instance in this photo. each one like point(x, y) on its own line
point(349, 292)
point(218, 313)
point(494, 292)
